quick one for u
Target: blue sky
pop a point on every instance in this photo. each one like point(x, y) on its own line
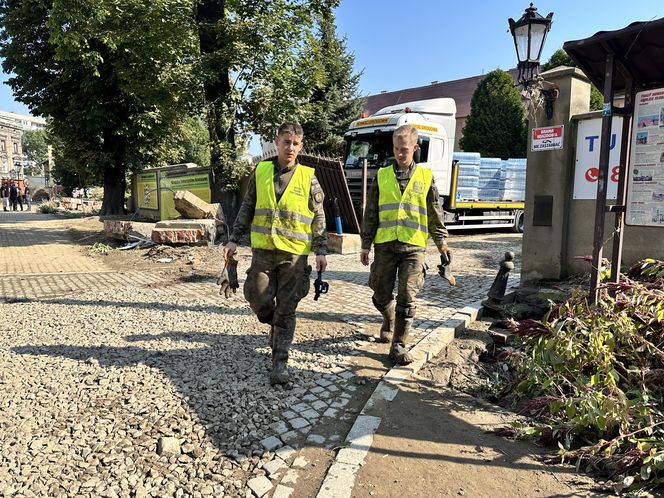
point(401, 44)
point(401, 47)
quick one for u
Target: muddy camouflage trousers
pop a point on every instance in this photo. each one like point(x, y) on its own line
point(276, 282)
point(406, 270)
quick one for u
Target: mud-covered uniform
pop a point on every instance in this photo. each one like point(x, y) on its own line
point(278, 277)
point(398, 262)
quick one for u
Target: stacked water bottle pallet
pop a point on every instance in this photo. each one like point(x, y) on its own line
point(513, 186)
point(490, 179)
point(468, 177)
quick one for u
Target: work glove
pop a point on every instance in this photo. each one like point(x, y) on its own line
point(227, 281)
point(445, 266)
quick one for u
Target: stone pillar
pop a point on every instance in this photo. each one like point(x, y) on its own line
point(550, 178)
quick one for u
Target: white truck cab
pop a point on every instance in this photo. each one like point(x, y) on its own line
point(371, 139)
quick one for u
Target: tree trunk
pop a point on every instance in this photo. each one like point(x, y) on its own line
point(230, 202)
point(114, 190)
point(218, 88)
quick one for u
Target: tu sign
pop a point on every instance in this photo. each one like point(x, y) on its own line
point(586, 171)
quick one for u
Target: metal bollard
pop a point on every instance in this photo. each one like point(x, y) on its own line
point(497, 291)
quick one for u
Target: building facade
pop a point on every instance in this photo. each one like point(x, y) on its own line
point(12, 126)
point(11, 153)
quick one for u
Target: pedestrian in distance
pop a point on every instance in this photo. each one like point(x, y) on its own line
point(14, 196)
point(4, 196)
point(27, 197)
point(283, 212)
point(403, 209)
point(19, 199)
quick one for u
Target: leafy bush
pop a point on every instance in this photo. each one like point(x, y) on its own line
point(100, 248)
point(48, 208)
point(594, 376)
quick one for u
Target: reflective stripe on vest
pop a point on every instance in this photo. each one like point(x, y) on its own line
point(403, 217)
point(283, 225)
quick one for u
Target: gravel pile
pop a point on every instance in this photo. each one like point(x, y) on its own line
point(134, 393)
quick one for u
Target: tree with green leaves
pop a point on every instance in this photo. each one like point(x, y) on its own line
point(191, 143)
point(114, 77)
point(35, 149)
point(335, 99)
point(252, 71)
point(562, 58)
point(496, 126)
point(117, 78)
point(558, 58)
point(253, 77)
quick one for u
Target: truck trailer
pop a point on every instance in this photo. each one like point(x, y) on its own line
point(369, 147)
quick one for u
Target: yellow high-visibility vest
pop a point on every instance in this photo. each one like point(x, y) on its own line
point(403, 217)
point(285, 225)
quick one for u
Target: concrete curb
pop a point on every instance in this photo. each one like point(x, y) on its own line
point(340, 477)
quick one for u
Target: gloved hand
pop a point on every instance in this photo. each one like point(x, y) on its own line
point(227, 279)
point(445, 266)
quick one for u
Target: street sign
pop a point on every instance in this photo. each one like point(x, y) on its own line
point(549, 138)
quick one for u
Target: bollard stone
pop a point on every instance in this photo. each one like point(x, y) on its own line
point(347, 243)
point(497, 291)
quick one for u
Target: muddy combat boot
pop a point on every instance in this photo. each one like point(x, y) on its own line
point(387, 329)
point(398, 353)
point(281, 341)
point(279, 374)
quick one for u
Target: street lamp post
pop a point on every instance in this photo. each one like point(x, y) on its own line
point(529, 34)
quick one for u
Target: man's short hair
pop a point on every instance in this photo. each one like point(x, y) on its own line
point(407, 131)
point(290, 127)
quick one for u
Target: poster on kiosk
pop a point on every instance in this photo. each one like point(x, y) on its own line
point(645, 182)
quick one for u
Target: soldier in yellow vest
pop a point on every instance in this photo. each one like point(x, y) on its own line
point(283, 210)
point(403, 209)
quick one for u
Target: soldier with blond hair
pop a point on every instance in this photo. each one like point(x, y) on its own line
point(403, 209)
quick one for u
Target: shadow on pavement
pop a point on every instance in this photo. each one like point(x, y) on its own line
point(148, 305)
point(333, 316)
point(222, 377)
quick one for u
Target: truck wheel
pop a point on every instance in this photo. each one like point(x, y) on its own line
point(518, 222)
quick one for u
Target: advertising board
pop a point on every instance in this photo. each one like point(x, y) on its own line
point(645, 181)
point(586, 170)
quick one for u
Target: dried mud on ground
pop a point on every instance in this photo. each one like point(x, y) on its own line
point(435, 440)
point(187, 262)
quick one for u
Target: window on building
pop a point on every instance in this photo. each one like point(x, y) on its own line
point(3, 145)
point(15, 148)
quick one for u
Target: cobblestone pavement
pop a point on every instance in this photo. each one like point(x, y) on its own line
point(130, 384)
point(30, 245)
